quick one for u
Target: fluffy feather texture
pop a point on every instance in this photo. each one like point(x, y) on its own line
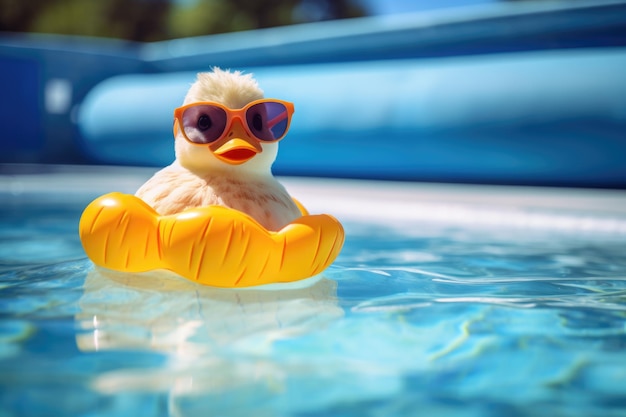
point(232, 89)
point(198, 178)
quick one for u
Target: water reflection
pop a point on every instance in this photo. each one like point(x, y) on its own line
point(214, 338)
point(158, 310)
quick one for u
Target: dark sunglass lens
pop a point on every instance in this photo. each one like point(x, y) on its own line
point(204, 123)
point(268, 121)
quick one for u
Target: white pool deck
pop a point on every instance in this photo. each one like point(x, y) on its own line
point(381, 202)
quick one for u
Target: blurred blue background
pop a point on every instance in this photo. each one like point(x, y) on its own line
point(502, 92)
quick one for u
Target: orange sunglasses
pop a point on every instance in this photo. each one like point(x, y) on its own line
point(205, 122)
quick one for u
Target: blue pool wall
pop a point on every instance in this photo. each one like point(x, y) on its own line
point(500, 93)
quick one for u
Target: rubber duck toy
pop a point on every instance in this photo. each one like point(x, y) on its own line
point(216, 215)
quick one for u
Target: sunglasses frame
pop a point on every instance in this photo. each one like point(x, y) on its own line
point(231, 114)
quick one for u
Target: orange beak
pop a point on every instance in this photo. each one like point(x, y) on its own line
point(238, 147)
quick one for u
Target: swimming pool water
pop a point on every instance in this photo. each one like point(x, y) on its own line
point(417, 317)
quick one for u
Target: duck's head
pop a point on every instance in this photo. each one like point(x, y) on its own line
point(225, 124)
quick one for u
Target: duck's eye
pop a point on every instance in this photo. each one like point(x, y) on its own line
point(204, 122)
point(257, 122)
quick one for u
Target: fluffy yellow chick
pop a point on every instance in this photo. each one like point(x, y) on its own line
point(233, 170)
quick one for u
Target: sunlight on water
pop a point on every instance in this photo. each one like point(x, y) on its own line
point(472, 321)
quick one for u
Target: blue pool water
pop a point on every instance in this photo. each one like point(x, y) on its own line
point(462, 301)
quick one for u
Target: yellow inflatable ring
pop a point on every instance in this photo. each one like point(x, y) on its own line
point(211, 245)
